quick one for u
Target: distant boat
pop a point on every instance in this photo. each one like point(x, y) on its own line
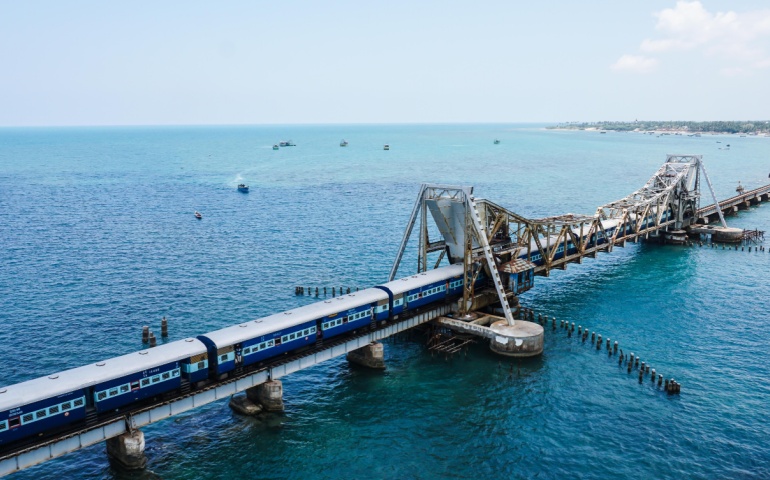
point(275, 147)
point(386, 147)
point(344, 143)
point(198, 215)
point(497, 142)
point(287, 143)
point(243, 188)
point(602, 131)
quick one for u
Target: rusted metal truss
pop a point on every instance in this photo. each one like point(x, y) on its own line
point(481, 234)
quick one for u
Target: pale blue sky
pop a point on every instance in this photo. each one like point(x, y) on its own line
point(259, 62)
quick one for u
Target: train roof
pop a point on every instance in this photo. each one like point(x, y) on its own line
point(297, 316)
point(415, 281)
point(67, 381)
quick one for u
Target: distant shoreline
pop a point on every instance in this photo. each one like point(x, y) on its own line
point(754, 128)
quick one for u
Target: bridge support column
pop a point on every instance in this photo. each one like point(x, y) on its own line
point(372, 356)
point(127, 450)
point(268, 394)
point(245, 406)
point(522, 339)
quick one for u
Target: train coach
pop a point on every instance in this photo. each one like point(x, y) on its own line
point(268, 337)
point(415, 291)
point(47, 403)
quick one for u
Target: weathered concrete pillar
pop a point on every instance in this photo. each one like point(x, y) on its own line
point(268, 394)
point(127, 450)
point(372, 356)
point(243, 405)
point(523, 339)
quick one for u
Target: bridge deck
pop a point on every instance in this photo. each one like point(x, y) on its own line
point(26, 456)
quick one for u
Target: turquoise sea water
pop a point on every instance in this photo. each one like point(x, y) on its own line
point(97, 238)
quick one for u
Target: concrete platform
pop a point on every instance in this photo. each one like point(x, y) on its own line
point(718, 234)
point(523, 339)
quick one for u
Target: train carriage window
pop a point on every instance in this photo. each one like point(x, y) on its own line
point(145, 382)
point(156, 379)
point(175, 372)
point(101, 396)
point(135, 385)
point(277, 341)
point(66, 406)
point(78, 402)
point(27, 418)
point(40, 414)
point(14, 422)
point(246, 351)
point(113, 392)
point(124, 388)
point(223, 358)
point(53, 410)
point(166, 375)
point(312, 330)
point(3, 426)
point(201, 365)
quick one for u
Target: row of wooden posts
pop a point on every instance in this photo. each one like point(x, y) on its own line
point(148, 336)
point(631, 361)
point(318, 291)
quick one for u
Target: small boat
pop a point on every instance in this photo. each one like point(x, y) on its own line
point(344, 143)
point(497, 142)
point(602, 131)
point(287, 143)
point(243, 188)
point(198, 215)
point(386, 147)
point(275, 147)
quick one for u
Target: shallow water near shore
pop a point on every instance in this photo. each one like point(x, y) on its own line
point(98, 238)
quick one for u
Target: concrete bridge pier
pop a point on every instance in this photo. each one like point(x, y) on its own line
point(127, 450)
point(371, 356)
point(522, 339)
point(268, 394)
point(265, 397)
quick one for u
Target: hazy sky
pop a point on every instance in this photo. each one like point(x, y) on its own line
point(246, 62)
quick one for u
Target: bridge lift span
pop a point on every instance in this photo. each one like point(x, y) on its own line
point(509, 248)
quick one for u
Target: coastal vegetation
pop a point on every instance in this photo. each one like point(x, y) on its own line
point(744, 127)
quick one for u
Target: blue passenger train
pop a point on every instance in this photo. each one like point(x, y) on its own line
point(49, 403)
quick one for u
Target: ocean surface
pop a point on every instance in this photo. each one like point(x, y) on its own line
point(97, 238)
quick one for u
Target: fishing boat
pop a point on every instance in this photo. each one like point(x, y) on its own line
point(386, 147)
point(287, 143)
point(497, 142)
point(243, 188)
point(344, 143)
point(198, 215)
point(275, 147)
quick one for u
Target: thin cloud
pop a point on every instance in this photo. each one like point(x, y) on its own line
point(635, 64)
point(737, 40)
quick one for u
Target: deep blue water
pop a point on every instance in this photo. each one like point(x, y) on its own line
point(97, 238)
